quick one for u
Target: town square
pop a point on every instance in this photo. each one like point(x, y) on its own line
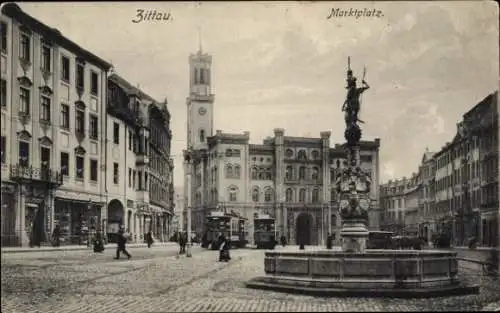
point(249, 157)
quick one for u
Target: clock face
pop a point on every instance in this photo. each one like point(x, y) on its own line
point(202, 111)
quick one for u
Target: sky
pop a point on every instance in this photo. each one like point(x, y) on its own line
point(283, 64)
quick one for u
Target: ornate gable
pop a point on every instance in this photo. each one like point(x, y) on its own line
point(24, 135)
point(80, 150)
point(45, 141)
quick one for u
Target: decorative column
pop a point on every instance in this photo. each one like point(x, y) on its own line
point(354, 184)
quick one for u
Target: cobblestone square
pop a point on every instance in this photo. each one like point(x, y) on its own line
point(156, 280)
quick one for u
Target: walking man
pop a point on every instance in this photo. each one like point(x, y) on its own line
point(122, 240)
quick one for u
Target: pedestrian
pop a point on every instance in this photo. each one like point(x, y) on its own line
point(149, 238)
point(301, 244)
point(329, 241)
point(122, 240)
point(283, 240)
point(98, 243)
point(56, 236)
point(181, 243)
point(224, 248)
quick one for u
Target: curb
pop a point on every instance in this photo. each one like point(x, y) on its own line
point(79, 248)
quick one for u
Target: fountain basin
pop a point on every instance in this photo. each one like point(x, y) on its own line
point(395, 273)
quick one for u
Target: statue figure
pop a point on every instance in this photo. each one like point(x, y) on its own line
point(351, 105)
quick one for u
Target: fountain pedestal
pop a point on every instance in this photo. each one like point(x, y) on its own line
point(354, 237)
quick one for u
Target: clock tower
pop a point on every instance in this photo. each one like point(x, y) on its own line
point(200, 103)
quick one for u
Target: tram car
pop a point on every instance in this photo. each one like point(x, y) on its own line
point(265, 234)
point(231, 225)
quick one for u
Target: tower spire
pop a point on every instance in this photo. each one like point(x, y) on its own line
point(200, 49)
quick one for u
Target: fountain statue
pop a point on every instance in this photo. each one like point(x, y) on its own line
point(357, 271)
point(353, 184)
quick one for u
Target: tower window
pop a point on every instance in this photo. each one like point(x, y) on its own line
point(196, 76)
point(202, 76)
point(202, 135)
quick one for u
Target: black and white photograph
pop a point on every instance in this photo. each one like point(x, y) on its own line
point(249, 156)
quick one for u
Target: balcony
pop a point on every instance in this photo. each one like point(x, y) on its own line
point(141, 159)
point(142, 196)
point(29, 174)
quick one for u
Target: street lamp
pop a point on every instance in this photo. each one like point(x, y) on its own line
point(188, 163)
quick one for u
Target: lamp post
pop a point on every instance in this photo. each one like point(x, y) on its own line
point(188, 163)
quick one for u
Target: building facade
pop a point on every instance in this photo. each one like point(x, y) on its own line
point(289, 178)
point(65, 160)
point(53, 114)
point(459, 183)
point(138, 158)
point(399, 202)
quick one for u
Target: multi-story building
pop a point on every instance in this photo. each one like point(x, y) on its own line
point(399, 203)
point(290, 178)
point(481, 124)
point(140, 176)
point(53, 115)
point(179, 221)
point(427, 202)
point(459, 194)
point(65, 160)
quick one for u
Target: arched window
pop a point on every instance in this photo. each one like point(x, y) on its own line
point(289, 172)
point(302, 155)
point(315, 196)
point(289, 153)
point(302, 172)
point(332, 176)
point(255, 194)
point(229, 171)
point(338, 163)
point(237, 171)
point(268, 195)
point(269, 175)
point(315, 155)
point(315, 173)
point(196, 76)
point(233, 193)
point(333, 195)
point(302, 195)
point(216, 195)
point(255, 174)
point(202, 135)
point(202, 76)
point(289, 195)
point(262, 173)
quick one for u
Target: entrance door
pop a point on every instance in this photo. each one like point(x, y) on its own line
point(304, 228)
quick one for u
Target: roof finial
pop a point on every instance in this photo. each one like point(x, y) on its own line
point(200, 49)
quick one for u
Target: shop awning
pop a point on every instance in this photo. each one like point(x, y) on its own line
point(78, 201)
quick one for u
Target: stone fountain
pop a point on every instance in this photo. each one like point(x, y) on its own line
point(356, 271)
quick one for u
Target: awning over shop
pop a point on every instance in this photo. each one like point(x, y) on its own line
point(79, 201)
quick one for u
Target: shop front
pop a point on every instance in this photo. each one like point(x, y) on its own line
point(78, 221)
